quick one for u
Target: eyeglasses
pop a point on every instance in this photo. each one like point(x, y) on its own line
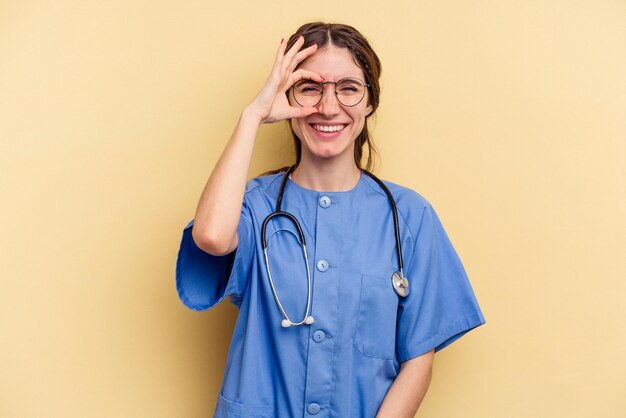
point(349, 91)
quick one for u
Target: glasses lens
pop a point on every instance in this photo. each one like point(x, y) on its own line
point(350, 91)
point(307, 92)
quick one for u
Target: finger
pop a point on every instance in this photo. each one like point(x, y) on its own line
point(302, 74)
point(296, 46)
point(293, 51)
point(301, 56)
point(278, 60)
point(276, 75)
point(281, 50)
point(301, 112)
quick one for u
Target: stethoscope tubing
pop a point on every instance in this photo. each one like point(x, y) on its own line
point(277, 214)
point(394, 211)
point(400, 284)
point(280, 306)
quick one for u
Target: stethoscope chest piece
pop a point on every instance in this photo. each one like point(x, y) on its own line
point(400, 284)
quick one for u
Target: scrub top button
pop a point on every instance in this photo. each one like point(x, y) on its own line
point(324, 201)
point(322, 265)
point(319, 336)
point(313, 408)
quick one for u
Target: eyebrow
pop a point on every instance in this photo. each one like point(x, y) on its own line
point(339, 79)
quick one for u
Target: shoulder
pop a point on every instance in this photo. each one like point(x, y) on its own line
point(263, 184)
point(407, 200)
point(412, 206)
point(261, 193)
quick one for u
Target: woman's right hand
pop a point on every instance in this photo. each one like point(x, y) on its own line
point(219, 209)
point(271, 104)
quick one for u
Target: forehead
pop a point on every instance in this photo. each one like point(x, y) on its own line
point(333, 63)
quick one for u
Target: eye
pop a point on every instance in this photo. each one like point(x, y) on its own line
point(308, 87)
point(350, 86)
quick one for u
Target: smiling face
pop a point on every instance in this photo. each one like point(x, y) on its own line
point(330, 133)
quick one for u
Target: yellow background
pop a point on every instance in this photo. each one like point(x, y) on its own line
point(508, 116)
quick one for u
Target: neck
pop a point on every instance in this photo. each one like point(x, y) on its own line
point(326, 176)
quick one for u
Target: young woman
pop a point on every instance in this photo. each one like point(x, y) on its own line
point(346, 285)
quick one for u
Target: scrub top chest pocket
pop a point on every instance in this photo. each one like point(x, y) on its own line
point(375, 333)
point(226, 408)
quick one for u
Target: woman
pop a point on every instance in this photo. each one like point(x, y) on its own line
point(336, 331)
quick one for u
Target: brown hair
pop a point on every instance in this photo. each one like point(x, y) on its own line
point(344, 36)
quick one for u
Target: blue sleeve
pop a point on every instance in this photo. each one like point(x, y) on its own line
point(441, 306)
point(204, 280)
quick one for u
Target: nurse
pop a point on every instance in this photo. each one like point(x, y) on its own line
point(326, 335)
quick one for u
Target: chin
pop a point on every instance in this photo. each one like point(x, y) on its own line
point(328, 151)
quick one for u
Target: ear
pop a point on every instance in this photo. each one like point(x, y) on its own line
point(369, 109)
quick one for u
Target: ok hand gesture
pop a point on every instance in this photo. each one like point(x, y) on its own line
point(271, 104)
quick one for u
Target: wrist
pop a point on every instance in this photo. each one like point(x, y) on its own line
point(251, 115)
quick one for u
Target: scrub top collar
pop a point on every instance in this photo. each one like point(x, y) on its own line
point(291, 183)
point(301, 195)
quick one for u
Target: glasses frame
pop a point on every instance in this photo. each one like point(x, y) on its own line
point(367, 86)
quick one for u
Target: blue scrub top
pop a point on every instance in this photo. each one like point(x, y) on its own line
point(343, 364)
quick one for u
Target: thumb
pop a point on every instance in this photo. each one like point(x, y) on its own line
point(301, 112)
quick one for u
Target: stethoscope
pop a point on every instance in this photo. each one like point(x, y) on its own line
point(399, 281)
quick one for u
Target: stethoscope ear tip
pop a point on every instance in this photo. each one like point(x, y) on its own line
point(285, 323)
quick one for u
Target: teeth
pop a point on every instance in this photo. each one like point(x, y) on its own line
point(324, 128)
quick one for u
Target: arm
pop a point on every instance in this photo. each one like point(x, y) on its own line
point(407, 391)
point(219, 208)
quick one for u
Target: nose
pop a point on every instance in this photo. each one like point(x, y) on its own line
point(329, 105)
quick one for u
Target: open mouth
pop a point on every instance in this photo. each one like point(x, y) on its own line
point(328, 129)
